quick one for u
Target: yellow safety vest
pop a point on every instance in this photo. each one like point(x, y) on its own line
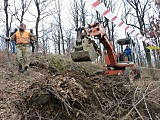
point(24, 39)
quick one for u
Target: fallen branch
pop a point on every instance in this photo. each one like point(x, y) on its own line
point(123, 118)
point(53, 91)
point(98, 100)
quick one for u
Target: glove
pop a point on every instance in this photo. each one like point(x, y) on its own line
point(7, 39)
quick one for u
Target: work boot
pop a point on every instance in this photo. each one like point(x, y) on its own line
point(25, 69)
point(20, 69)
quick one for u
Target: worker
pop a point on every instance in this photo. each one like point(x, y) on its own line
point(23, 47)
point(33, 41)
point(14, 41)
point(127, 53)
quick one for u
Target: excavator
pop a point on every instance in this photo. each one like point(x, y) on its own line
point(116, 63)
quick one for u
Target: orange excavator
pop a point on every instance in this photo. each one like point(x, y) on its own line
point(116, 63)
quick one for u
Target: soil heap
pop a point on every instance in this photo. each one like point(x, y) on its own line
point(59, 89)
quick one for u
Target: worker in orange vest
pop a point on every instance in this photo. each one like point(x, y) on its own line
point(22, 38)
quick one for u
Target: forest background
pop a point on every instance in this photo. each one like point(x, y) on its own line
point(54, 23)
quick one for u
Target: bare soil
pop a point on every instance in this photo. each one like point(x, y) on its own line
point(55, 88)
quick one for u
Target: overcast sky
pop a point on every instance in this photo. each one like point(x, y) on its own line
point(65, 15)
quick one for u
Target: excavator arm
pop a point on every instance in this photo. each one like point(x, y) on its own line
point(85, 48)
point(111, 56)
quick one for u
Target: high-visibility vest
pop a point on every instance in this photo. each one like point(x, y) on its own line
point(24, 39)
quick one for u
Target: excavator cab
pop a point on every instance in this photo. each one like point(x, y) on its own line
point(126, 54)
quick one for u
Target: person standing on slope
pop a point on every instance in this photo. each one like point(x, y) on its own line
point(14, 41)
point(22, 38)
point(33, 41)
point(127, 53)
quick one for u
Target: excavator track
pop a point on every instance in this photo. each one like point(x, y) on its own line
point(118, 78)
point(111, 78)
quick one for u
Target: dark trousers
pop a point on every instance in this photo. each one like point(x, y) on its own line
point(13, 46)
point(129, 57)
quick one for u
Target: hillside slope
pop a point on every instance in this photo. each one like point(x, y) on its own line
point(56, 88)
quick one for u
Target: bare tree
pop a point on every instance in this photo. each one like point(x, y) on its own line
point(44, 39)
point(6, 5)
point(157, 2)
point(6, 15)
point(20, 9)
point(153, 32)
point(74, 14)
point(59, 21)
point(69, 40)
point(55, 39)
point(78, 13)
point(43, 11)
point(140, 10)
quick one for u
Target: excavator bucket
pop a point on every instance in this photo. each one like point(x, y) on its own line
point(84, 52)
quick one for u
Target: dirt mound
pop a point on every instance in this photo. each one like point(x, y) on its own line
point(58, 89)
point(69, 97)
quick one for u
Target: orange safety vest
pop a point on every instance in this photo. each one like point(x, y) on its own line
point(24, 39)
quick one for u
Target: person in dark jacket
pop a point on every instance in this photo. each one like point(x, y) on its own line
point(14, 41)
point(127, 53)
point(33, 41)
